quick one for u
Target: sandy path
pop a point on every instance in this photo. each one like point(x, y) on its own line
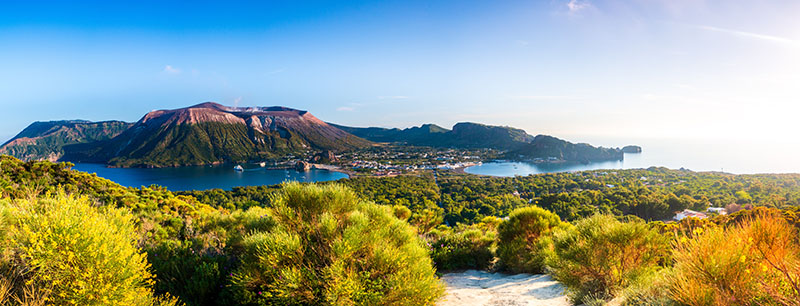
point(482, 288)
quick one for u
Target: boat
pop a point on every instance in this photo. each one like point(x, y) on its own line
point(238, 168)
point(262, 164)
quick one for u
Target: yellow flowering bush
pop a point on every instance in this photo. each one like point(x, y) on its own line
point(756, 262)
point(82, 255)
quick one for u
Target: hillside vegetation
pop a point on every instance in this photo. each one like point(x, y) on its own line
point(312, 245)
point(468, 135)
point(202, 134)
point(379, 241)
point(50, 140)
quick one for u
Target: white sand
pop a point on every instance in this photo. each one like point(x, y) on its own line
point(482, 288)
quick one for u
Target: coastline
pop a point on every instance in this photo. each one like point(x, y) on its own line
point(333, 168)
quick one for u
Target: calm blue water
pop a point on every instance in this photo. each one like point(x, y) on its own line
point(741, 157)
point(206, 177)
point(511, 168)
point(744, 156)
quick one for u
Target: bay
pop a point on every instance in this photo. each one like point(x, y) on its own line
point(205, 177)
point(738, 156)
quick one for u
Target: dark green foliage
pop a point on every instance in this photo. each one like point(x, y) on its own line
point(522, 244)
point(193, 274)
point(651, 194)
point(414, 192)
point(239, 197)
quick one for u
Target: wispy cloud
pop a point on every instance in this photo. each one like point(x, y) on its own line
point(758, 36)
point(345, 109)
point(236, 101)
point(575, 6)
point(171, 70)
point(544, 97)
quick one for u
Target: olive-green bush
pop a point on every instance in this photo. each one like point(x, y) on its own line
point(469, 248)
point(520, 246)
point(601, 256)
point(329, 247)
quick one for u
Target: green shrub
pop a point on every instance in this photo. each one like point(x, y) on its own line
point(75, 253)
point(401, 212)
point(197, 268)
point(600, 256)
point(649, 290)
point(469, 248)
point(519, 246)
point(189, 272)
point(328, 247)
point(756, 262)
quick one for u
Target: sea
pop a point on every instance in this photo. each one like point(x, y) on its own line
point(737, 156)
point(743, 156)
point(206, 177)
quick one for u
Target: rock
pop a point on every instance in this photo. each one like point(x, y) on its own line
point(302, 166)
point(632, 149)
point(324, 157)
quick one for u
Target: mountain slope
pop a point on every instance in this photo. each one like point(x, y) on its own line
point(463, 135)
point(544, 147)
point(47, 140)
point(418, 135)
point(211, 133)
point(518, 143)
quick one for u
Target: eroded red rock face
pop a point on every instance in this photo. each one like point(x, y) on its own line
point(260, 119)
point(206, 133)
point(213, 112)
point(209, 132)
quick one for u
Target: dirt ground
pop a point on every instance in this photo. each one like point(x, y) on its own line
point(473, 287)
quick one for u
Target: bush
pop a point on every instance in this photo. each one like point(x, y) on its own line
point(401, 212)
point(601, 256)
point(519, 246)
point(756, 262)
point(73, 253)
point(197, 268)
point(468, 248)
point(328, 247)
point(649, 290)
point(187, 271)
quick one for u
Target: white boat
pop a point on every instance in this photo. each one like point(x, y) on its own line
point(238, 168)
point(262, 164)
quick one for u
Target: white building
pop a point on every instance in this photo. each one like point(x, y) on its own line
point(689, 213)
point(717, 210)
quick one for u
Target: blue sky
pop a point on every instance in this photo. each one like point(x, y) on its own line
point(581, 70)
